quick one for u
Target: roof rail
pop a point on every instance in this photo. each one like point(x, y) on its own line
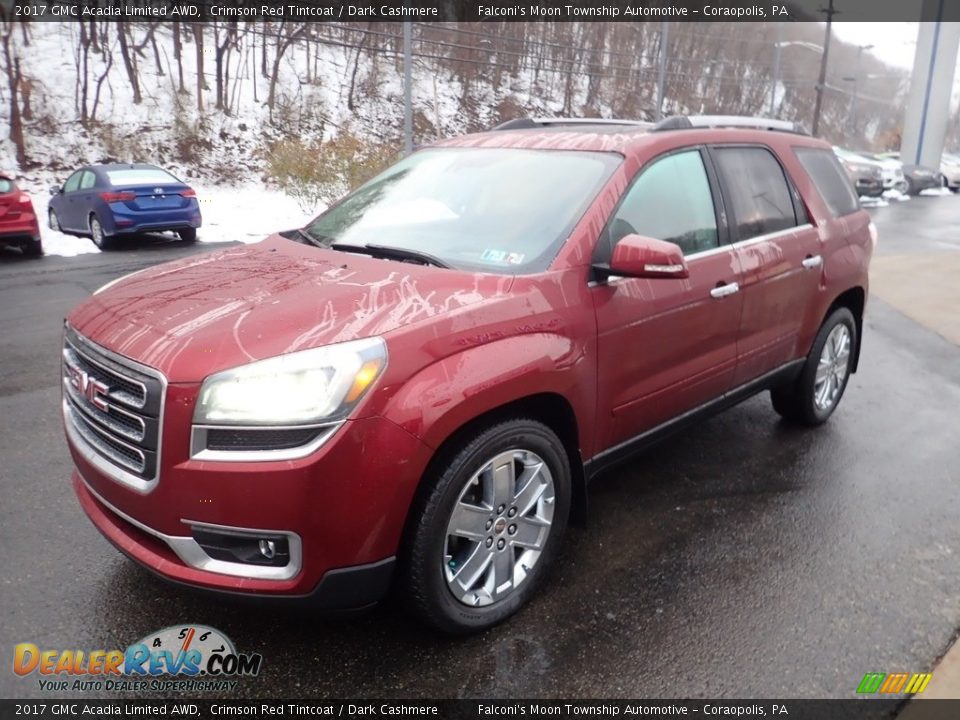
point(527, 123)
point(684, 122)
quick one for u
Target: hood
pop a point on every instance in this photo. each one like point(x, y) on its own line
point(214, 311)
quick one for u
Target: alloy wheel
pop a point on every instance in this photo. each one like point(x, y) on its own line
point(833, 368)
point(96, 232)
point(498, 528)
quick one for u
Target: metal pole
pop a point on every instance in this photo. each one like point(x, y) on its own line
point(853, 98)
point(776, 69)
point(662, 74)
point(407, 90)
point(822, 81)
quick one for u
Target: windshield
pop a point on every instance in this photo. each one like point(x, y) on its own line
point(501, 210)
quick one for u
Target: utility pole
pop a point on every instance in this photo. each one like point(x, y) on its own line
point(776, 69)
point(856, 89)
point(822, 81)
point(407, 90)
point(662, 72)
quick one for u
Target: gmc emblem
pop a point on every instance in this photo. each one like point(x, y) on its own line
point(90, 388)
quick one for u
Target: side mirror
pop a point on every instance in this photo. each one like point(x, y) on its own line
point(644, 257)
point(55, 190)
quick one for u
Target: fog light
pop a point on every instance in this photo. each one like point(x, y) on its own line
point(268, 548)
point(238, 547)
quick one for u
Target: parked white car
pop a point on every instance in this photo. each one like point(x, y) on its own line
point(950, 169)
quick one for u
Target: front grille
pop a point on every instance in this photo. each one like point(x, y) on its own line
point(113, 406)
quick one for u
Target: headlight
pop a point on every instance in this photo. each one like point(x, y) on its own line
point(297, 389)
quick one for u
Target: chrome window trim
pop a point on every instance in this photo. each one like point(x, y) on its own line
point(613, 279)
point(199, 451)
point(115, 472)
point(749, 241)
point(193, 555)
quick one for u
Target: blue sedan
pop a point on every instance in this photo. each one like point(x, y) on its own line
point(108, 202)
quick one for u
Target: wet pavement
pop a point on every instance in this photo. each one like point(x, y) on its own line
point(741, 558)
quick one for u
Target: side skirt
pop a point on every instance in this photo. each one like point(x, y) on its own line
point(608, 458)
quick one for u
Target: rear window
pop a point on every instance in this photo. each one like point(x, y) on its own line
point(140, 177)
point(761, 199)
point(830, 178)
point(5, 185)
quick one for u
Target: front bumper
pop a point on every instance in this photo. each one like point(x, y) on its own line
point(345, 505)
point(339, 589)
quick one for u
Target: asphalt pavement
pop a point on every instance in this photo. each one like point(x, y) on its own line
point(741, 558)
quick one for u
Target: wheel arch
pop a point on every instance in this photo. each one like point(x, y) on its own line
point(549, 408)
point(854, 299)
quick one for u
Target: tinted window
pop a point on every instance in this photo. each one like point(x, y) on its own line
point(758, 191)
point(145, 176)
point(502, 210)
point(670, 200)
point(832, 182)
point(88, 180)
point(73, 182)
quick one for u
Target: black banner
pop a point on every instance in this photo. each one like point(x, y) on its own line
point(862, 709)
point(482, 10)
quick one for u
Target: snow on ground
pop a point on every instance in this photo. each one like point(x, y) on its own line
point(244, 214)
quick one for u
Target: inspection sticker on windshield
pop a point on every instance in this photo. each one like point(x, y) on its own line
point(502, 257)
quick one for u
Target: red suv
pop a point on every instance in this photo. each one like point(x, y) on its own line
point(415, 388)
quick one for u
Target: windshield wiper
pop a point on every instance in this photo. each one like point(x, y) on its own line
point(392, 253)
point(313, 240)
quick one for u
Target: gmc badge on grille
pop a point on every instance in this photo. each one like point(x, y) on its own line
point(92, 389)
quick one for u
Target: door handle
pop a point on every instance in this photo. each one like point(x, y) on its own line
point(724, 290)
point(812, 261)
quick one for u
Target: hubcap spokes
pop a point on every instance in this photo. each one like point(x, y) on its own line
point(832, 368)
point(498, 527)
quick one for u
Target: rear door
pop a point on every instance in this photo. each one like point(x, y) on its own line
point(779, 254)
point(666, 346)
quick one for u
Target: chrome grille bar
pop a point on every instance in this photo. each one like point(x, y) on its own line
point(113, 407)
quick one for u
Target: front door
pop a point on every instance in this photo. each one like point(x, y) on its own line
point(666, 346)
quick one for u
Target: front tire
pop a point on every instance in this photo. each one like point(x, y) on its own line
point(813, 397)
point(99, 237)
point(486, 527)
point(53, 221)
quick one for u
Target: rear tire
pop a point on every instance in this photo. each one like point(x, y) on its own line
point(32, 248)
point(815, 394)
point(502, 527)
point(188, 235)
point(97, 234)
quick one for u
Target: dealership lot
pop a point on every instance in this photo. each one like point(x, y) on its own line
point(740, 558)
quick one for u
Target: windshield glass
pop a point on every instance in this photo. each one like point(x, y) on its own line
point(502, 210)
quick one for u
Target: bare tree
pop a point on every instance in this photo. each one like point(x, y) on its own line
point(284, 41)
point(178, 56)
point(201, 82)
point(129, 62)
point(12, 66)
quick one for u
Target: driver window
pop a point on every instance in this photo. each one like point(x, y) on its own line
point(72, 182)
point(670, 200)
point(88, 180)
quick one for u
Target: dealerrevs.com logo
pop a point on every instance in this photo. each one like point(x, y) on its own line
point(182, 657)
